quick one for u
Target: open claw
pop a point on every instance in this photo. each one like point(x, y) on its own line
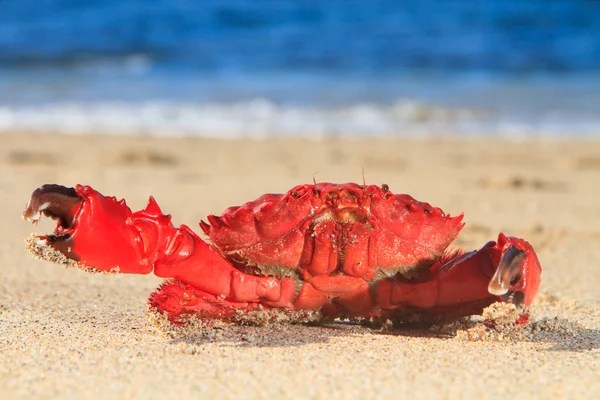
point(60, 203)
point(95, 232)
point(54, 201)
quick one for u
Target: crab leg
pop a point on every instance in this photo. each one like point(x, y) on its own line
point(103, 234)
point(463, 284)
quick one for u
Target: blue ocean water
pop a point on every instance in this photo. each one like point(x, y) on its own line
point(236, 68)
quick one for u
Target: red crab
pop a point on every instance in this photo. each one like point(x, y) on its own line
point(342, 250)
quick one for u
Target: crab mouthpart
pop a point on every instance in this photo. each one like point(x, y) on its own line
point(60, 203)
point(508, 272)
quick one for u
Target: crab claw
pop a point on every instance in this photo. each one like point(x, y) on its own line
point(60, 203)
point(509, 270)
point(517, 277)
point(95, 231)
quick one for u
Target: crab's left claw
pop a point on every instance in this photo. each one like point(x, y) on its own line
point(517, 277)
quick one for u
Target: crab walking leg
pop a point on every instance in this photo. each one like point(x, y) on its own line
point(104, 234)
point(464, 284)
point(179, 301)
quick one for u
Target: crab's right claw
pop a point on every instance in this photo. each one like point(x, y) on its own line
point(96, 231)
point(62, 204)
point(517, 277)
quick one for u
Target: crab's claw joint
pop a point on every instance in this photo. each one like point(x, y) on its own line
point(517, 277)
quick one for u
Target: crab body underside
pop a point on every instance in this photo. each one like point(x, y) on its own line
point(339, 250)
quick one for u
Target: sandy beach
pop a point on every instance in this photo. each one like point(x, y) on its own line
point(68, 334)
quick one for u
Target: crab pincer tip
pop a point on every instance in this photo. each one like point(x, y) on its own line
point(31, 214)
point(509, 271)
point(497, 286)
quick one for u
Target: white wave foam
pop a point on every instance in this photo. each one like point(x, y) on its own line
point(261, 119)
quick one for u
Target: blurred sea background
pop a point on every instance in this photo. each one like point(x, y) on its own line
point(313, 68)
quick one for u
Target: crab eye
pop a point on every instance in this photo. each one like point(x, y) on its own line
point(295, 195)
point(386, 191)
